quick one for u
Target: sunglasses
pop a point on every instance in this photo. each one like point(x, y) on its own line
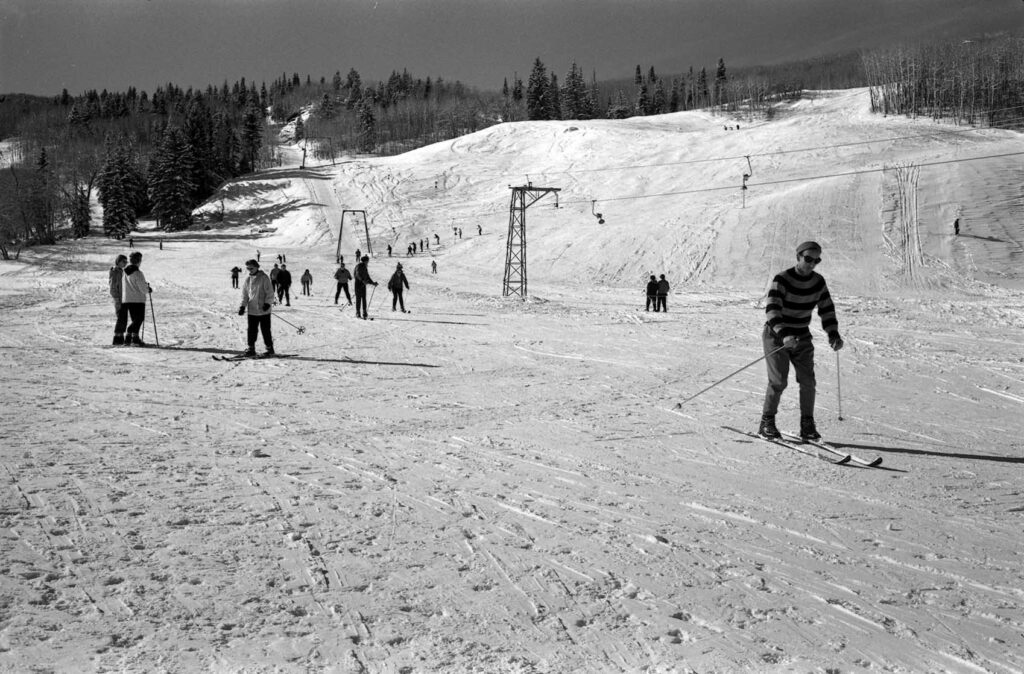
point(812, 260)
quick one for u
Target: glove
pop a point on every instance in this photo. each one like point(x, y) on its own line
point(150, 288)
point(790, 342)
point(375, 284)
point(266, 307)
point(835, 341)
point(241, 310)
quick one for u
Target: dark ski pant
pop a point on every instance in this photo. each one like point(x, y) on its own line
point(652, 300)
point(234, 281)
point(360, 300)
point(120, 323)
point(396, 300)
point(662, 303)
point(258, 324)
point(337, 293)
point(137, 313)
point(283, 292)
point(802, 358)
point(305, 288)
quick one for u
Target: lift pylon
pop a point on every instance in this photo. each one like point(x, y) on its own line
point(523, 197)
point(341, 230)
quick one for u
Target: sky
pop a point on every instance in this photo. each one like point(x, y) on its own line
point(50, 45)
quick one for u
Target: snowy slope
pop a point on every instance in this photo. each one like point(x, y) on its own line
point(492, 485)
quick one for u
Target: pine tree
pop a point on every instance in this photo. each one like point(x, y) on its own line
point(354, 87)
point(367, 126)
point(554, 99)
point(659, 101)
point(643, 101)
point(115, 190)
point(576, 101)
point(537, 95)
point(252, 137)
point(171, 169)
point(720, 80)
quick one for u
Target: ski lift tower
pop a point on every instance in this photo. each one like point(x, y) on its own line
point(341, 230)
point(523, 197)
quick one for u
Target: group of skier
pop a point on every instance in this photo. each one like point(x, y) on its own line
point(128, 288)
point(657, 294)
point(794, 295)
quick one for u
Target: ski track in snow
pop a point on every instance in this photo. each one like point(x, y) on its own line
point(495, 485)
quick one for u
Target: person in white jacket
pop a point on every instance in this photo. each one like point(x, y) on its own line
point(133, 298)
point(257, 298)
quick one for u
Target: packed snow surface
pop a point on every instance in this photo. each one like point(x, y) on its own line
point(494, 484)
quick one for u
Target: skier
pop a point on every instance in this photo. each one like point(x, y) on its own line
point(395, 286)
point(131, 242)
point(362, 280)
point(116, 277)
point(257, 294)
point(133, 297)
point(652, 294)
point(273, 278)
point(437, 239)
point(479, 230)
point(235, 271)
point(342, 276)
point(956, 227)
point(662, 294)
point(791, 299)
point(433, 266)
point(389, 250)
point(284, 284)
point(307, 281)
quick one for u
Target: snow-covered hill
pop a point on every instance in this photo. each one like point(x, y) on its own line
point(492, 485)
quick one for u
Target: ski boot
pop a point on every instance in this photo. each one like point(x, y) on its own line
point(767, 428)
point(808, 430)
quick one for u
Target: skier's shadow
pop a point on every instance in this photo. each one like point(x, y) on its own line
point(927, 452)
point(342, 361)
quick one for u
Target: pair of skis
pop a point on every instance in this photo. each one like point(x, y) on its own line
point(262, 356)
point(816, 448)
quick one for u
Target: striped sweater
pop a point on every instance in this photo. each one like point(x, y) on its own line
point(791, 301)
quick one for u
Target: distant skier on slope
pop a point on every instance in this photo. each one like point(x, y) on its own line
point(342, 276)
point(663, 288)
point(257, 296)
point(652, 294)
point(395, 286)
point(284, 285)
point(793, 295)
point(307, 281)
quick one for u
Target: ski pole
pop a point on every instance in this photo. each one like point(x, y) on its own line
point(839, 389)
point(152, 312)
point(680, 404)
point(300, 328)
point(370, 303)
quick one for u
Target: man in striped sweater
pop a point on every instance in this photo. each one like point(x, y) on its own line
point(791, 300)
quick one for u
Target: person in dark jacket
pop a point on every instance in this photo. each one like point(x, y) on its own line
point(273, 278)
point(662, 294)
point(307, 281)
point(652, 294)
point(284, 284)
point(362, 280)
point(115, 279)
point(395, 286)
point(235, 271)
point(342, 276)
